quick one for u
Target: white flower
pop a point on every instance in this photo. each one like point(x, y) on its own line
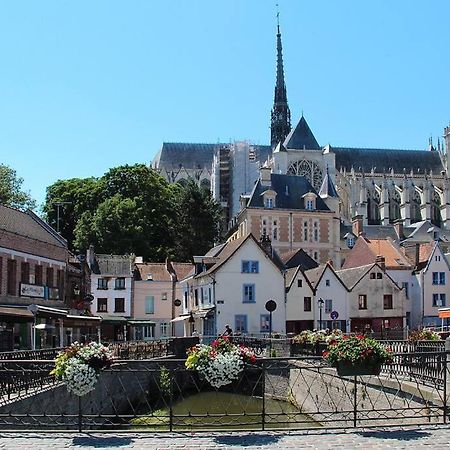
point(79, 377)
point(223, 369)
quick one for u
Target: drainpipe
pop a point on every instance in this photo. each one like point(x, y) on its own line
point(423, 298)
point(290, 231)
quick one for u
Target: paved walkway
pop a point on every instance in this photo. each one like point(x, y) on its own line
point(392, 438)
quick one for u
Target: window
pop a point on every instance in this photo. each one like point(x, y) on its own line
point(372, 276)
point(185, 299)
point(163, 329)
point(147, 332)
point(119, 283)
point(102, 283)
point(327, 282)
point(306, 303)
point(275, 234)
point(11, 269)
point(250, 267)
point(299, 283)
point(350, 242)
point(316, 256)
point(379, 276)
point(119, 305)
point(38, 275)
point(387, 301)
point(264, 320)
point(316, 232)
point(269, 202)
point(309, 205)
point(25, 272)
point(328, 306)
point(49, 277)
point(362, 301)
point(149, 304)
point(438, 277)
point(249, 293)
point(305, 231)
point(240, 323)
point(437, 258)
point(439, 300)
point(405, 286)
point(102, 305)
point(196, 297)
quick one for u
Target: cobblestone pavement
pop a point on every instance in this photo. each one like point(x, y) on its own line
point(392, 438)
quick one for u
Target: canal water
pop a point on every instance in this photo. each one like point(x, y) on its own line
point(224, 410)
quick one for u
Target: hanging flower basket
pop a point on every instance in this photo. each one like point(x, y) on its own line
point(219, 363)
point(79, 366)
point(357, 355)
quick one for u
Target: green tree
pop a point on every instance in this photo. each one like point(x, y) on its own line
point(11, 193)
point(198, 220)
point(76, 196)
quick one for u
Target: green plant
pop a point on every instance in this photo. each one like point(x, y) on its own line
point(164, 381)
point(357, 349)
point(424, 335)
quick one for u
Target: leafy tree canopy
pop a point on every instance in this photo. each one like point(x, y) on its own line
point(11, 193)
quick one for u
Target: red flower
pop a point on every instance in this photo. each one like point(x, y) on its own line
point(325, 353)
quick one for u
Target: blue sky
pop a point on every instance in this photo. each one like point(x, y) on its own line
point(89, 85)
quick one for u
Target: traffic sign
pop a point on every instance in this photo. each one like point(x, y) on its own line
point(334, 315)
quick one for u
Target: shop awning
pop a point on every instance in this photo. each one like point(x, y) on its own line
point(44, 326)
point(180, 318)
point(444, 313)
point(141, 322)
point(17, 312)
point(204, 312)
point(114, 319)
point(46, 311)
point(88, 318)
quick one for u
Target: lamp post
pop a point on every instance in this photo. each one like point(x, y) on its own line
point(320, 302)
point(191, 322)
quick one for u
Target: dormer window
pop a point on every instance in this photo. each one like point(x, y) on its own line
point(269, 202)
point(350, 242)
point(310, 201)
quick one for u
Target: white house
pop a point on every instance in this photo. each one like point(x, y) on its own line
point(433, 277)
point(111, 286)
point(231, 285)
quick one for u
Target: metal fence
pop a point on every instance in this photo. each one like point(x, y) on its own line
point(276, 393)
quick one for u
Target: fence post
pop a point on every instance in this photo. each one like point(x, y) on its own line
point(446, 376)
point(170, 398)
point(355, 400)
point(263, 415)
point(80, 416)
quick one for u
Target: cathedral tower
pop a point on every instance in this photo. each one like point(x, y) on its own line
point(280, 122)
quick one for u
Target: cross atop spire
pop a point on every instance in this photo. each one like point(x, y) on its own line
point(280, 123)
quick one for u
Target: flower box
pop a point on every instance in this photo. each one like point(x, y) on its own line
point(346, 368)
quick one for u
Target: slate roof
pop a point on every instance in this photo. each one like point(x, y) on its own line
point(195, 155)
point(314, 275)
point(328, 189)
point(29, 225)
point(301, 137)
point(383, 160)
point(297, 187)
point(112, 265)
point(351, 276)
point(298, 258)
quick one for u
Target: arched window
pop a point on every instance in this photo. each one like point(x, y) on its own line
point(205, 184)
point(416, 216)
point(183, 182)
point(308, 169)
point(436, 209)
point(373, 210)
point(394, 206)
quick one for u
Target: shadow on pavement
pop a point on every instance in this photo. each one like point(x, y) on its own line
point(247, 440)
point(102, 442)
point(400, 435)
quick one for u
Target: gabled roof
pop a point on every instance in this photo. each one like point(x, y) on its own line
point(384, 160)
point(159, 272)
point(366, 251)
point(112, 265)
point(301, 137)
point(351, 277)
point(289, 189)
point(315, 275)
point(231, 248)
point(29, 225)
point(436, 248)
point(291, 275)
point(298, 258)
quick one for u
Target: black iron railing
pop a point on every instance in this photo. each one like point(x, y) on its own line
point(275, 393)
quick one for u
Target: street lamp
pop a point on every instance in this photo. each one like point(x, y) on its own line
point(191, 320)
point(320, 302)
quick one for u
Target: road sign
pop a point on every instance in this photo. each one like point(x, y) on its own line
point(177, 302)
point(271, 305)
point(334, 315)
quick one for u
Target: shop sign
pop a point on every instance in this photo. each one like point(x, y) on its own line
point(31, 290)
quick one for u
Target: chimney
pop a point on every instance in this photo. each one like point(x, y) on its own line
point(90, 256)
point(266, 244)
point(417, 255)
point(398, 226)
point(381, 261)
point(265, 175)
point(357, 225)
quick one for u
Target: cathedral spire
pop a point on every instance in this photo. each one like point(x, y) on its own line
point(280, 123)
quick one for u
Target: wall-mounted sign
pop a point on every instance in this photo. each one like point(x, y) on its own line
point(53, 293)
point(31, 290)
